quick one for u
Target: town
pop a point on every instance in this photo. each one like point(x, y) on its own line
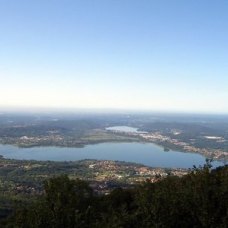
point(23, 177)
point(172, 143)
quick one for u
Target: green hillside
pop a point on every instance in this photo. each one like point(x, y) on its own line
point(199, 199)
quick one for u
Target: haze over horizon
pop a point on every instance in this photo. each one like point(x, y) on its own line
point(118, 55)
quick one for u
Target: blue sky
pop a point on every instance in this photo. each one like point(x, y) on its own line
point(121, 54)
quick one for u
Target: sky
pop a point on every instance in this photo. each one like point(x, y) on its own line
point(158, 55)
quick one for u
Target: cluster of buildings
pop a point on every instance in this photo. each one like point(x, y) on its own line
point(217, 154)
point(112, 174)
point(157, 137)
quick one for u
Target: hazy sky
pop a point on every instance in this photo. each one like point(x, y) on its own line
point(128, 54)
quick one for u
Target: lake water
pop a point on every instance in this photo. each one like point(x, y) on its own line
point(144, 153)
point(123, 129)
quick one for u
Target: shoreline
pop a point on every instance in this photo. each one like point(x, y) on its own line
point(165, 148)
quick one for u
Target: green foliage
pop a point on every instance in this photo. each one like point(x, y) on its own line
point(199, 199)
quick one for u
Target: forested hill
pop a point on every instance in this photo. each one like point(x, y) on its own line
point(199, 199)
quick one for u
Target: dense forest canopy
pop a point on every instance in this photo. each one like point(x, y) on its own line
point(199, 199)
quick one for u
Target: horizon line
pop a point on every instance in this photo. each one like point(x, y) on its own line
point(110, 110)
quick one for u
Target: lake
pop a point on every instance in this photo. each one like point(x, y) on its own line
point(145, 153)
point(123, 129)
